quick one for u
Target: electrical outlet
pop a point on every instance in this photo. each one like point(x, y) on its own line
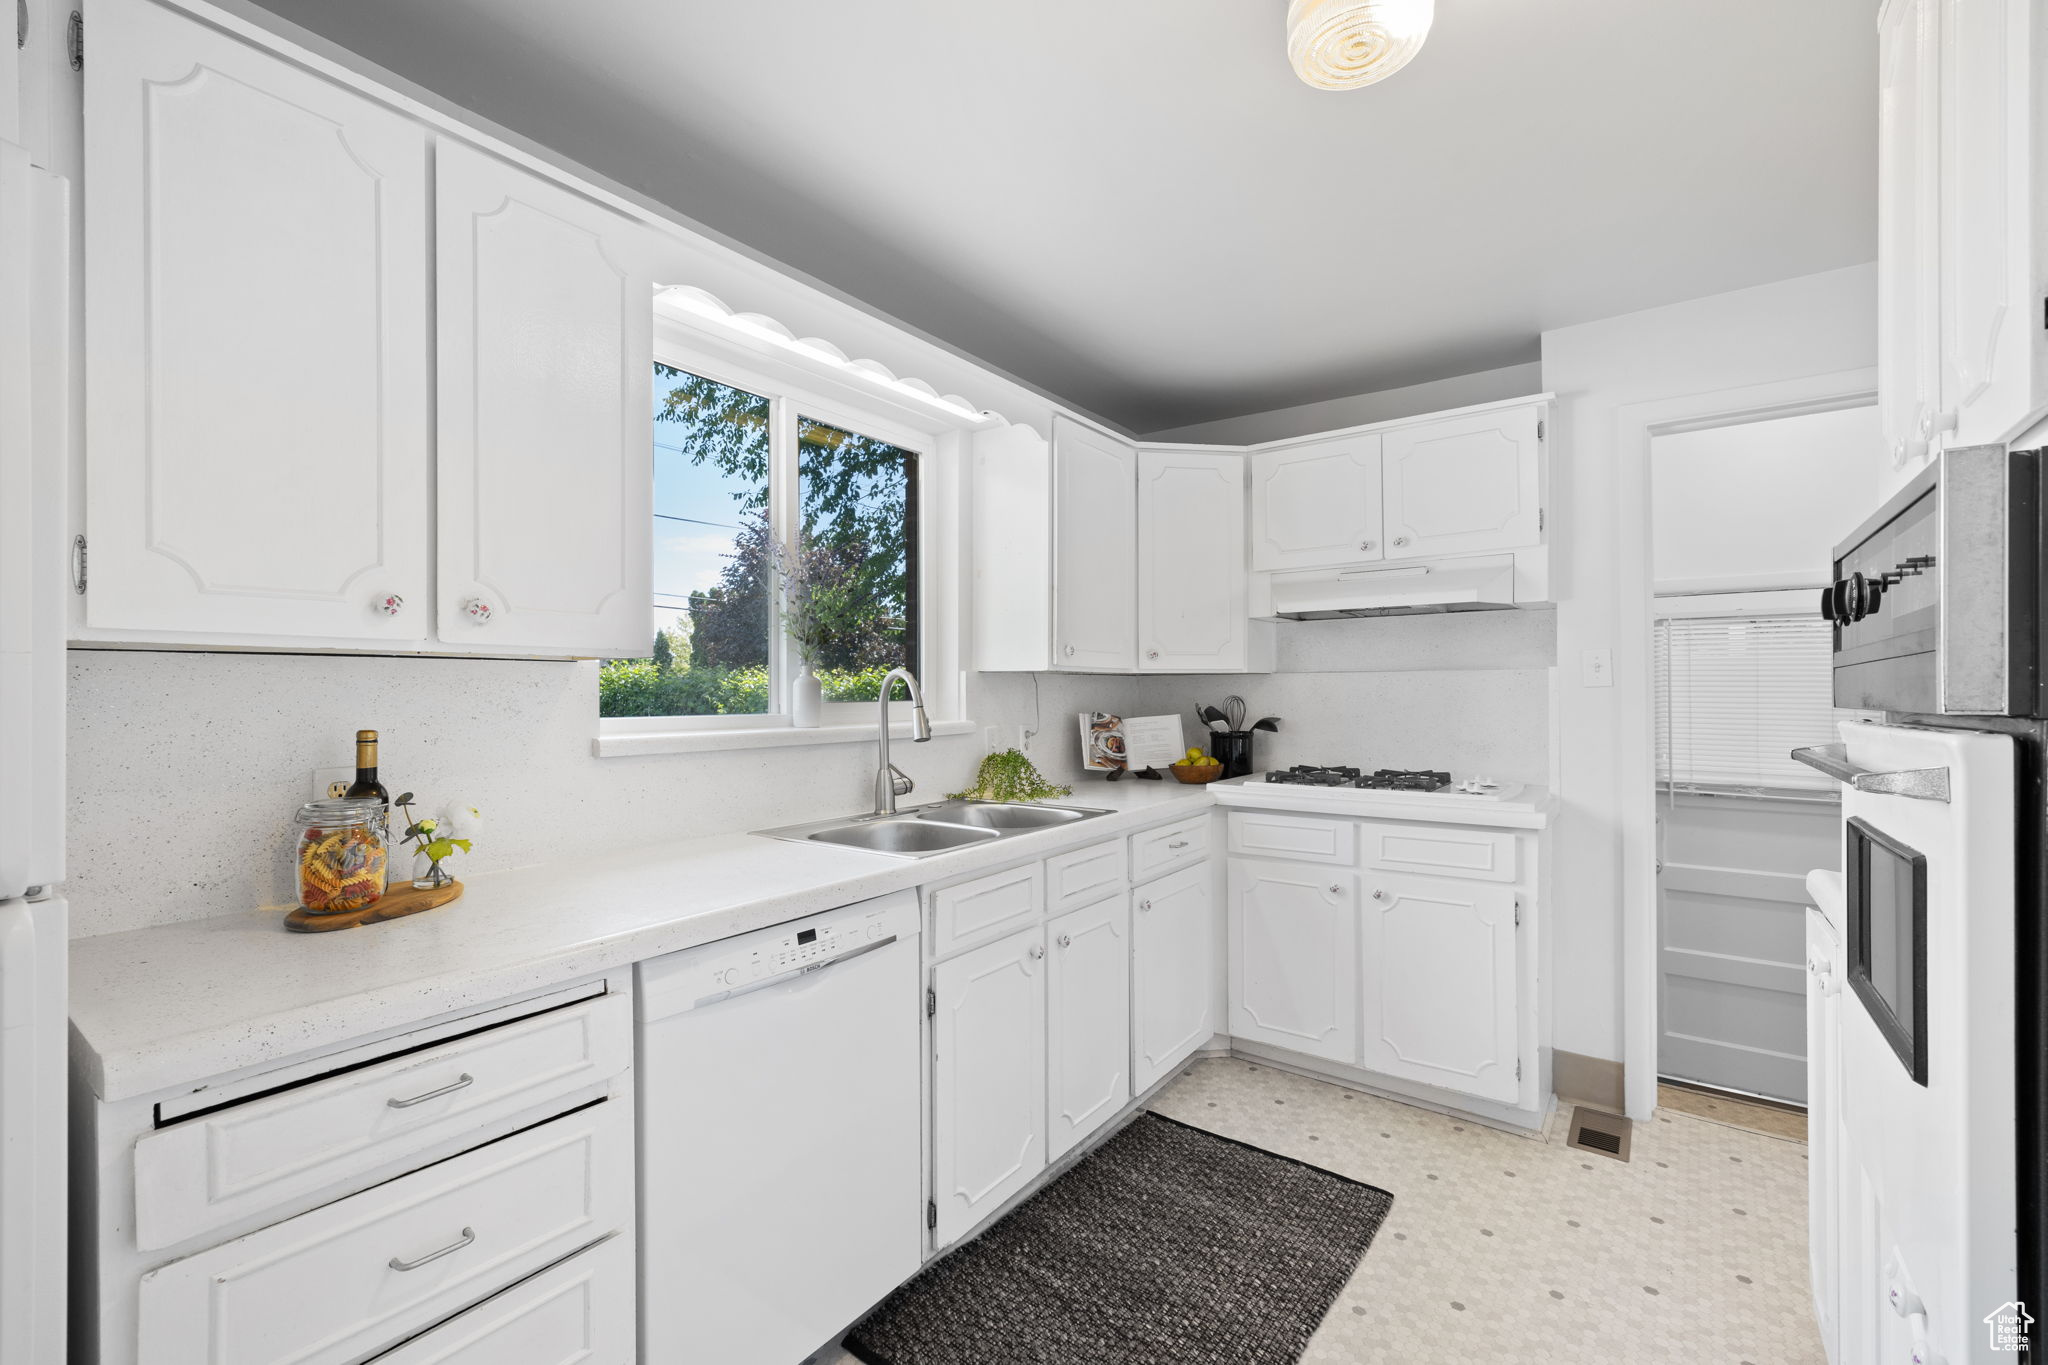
point(332, 783)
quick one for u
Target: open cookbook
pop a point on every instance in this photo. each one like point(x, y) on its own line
point(1115, 743)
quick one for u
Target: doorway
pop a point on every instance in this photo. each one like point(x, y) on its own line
point(1744, 518)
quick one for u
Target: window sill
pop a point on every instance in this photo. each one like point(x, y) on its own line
point(623, 744)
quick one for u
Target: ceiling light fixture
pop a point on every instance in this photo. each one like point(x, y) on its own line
point(1343, 44)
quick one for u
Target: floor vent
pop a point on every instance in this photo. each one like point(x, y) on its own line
point(1596, 1131)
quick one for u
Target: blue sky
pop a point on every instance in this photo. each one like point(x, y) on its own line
point(688, 556)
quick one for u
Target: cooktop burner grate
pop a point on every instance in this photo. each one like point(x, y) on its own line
point(1384, 779)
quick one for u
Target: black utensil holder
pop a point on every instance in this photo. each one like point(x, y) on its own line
point(1233, 749)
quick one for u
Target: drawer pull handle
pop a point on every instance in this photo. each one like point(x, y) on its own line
point(465, 1079)
point(468, 1236)
point(1178, 843)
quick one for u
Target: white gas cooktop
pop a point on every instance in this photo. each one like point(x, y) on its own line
point(1467, 800)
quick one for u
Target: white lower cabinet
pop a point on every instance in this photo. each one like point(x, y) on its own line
point(398, 1257)
point(1173, 967)
point(988, 1079)
point(1438, 983)
point(1293, 957)
point(1088, 1021)
point(579, 1312)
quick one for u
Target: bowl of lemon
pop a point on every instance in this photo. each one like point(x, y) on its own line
point(1196, 766)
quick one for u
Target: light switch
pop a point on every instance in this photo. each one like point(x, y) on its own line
point(1596, 668)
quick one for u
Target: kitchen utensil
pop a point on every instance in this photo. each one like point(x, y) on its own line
point(1234, 712)
point(1270, 724)
point(1233, 749)
point(1214, 718)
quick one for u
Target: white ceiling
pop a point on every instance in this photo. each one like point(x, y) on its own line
point(1135, 205)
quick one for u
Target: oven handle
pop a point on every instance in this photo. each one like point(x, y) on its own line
point(1921, 784)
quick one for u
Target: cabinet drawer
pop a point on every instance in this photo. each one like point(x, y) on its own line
point(1443, 851)
point(1301, 838)
point(338, 1133)
point(1084, 875)
point(986, 907)
point(352, 1277)
point(1158, 851)
point(577, 1313)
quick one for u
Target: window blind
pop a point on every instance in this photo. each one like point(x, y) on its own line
point(1736, 694)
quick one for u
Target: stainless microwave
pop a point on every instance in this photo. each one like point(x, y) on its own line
point(1936, 600)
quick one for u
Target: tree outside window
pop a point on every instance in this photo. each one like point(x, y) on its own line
point(715, 564)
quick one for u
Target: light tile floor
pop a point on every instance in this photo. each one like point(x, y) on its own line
point(1517, 1250)
point(1522, 1251)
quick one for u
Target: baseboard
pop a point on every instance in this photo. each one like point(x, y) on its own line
point(1589, 1080)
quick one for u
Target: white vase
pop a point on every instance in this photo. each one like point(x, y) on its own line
point(806, 699)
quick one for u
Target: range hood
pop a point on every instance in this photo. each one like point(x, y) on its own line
point(1397, 590)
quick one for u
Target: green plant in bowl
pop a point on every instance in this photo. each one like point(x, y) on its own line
point(1009, 776)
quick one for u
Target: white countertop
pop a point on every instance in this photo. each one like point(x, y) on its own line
point(156, 1008)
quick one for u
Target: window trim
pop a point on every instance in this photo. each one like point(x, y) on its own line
point(938, 558)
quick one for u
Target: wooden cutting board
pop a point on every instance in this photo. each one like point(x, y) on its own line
point(406, 899)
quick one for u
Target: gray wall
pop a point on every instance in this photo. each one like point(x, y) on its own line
point(185, 768)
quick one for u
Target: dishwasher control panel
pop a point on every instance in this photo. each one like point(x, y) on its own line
point(735, 963)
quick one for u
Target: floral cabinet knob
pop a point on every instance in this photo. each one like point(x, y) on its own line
point(390, 604)
point(477, 610)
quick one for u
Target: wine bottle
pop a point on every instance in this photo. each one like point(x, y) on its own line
point(367, 787)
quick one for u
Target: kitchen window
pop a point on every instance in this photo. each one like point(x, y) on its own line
point(755, 478)
point(1736, 694)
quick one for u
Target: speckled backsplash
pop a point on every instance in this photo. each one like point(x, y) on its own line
point(185, 768)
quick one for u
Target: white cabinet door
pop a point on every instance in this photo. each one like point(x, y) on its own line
point(1088, 1021)
point(1317, 504)
point(1173, 970)
point(988, 1079)
point(1908, 248)
point(544, 322)
point(1294, 957)
point(1992, 357)
point(1464, 484)
point(257, 435)
point(1095, 558)
point(1193, 613)
point(1438, 984)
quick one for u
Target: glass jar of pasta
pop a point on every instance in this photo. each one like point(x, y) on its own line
point(340, 852)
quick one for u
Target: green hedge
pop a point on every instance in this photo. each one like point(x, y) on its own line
point(637, 687)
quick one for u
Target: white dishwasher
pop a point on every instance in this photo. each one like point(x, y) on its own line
point(780, 1190)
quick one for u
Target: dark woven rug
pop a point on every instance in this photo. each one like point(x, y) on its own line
point(1168, 1244)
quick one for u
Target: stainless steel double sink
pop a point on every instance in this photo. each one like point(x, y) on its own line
point(924, 830)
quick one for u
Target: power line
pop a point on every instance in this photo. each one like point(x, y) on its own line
point(699, 521)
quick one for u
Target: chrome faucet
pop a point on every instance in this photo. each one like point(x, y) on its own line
point(890, 782)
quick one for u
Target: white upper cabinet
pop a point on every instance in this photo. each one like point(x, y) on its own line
point(257, 418)
point(1192, 585)
point(545, 316)
point(1317, 503)
point(1437, 984)
point(1994, 365)
point(1095, 562)
point(1907, 225)
point(1464, 484)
